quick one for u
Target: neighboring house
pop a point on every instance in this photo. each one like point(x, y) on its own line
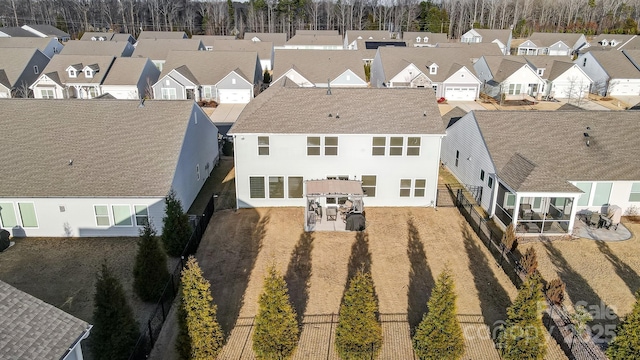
point(611, 41)
point(12, 31)
point(32, 329)
point(100, 168)
point(633, 44)
point(316, 32)
point(537, 170)
point(107, 36)
point(72, 77)
point(612, 72)
point(290, 135)
point(227, 77)
point(278, 39)
point(314, 68)
point(113, 48)
point(449, 72)
point(552, 44)
point(423, 39)
point(48, 46)
point(565, 80)
point(263, 48)
point(509, 78)
point(19, 68)
point(500, 37)
point(209, 40)
point(351, 36)
point(315, 41)
point(48, 31)
point(131, 78)
point(158, 49)
point(167, 35)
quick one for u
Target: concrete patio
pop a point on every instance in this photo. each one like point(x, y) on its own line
point(580, 229)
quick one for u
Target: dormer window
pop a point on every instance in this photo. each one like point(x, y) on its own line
point(101, 38)
point(73, 73)
point(88, 73)
point(613, 43)
point(540, 72)
point(418, 39)
point(93, 38)
point(426, 39)
point(433, 69)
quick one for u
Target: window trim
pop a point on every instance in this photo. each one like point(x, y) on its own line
point(632, 192)
point(35, 213)
point(114, 215)
point(95, 215)
point(490, 182)
point(457, 157)
point(15, 216)
point(319, 146)
point(391, 147)
point(36, 69)
point(52, 96)
point(375, 192)
point(409, 188)
point(325, 146)
point(416, 188)
point(284, 186)
point(383, 147)
point(168, 90)
point(264, 188)
point(197, 172)
point(412, 147)
point(135, 215)
point(289, 188)
point(481, 175)
point(263, 146)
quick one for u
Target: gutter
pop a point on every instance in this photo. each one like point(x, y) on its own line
point(76, 343)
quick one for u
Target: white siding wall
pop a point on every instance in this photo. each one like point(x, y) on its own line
point(525, 76)
point(78, 218)
point(378, 77)
point(465, 137)
point(125, 92)
point(288, 157)
point(571, 83)
point(620, 87)
point(45, 83)
point(593, 69)
point(620, 191)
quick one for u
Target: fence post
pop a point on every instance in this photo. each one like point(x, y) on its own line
point(150, 333)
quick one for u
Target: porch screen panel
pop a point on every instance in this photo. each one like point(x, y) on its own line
point(602, 193)
point(256, 187)
point(122, 215)
point(28, 215)
point(295, 187)
point(276, 187)
point(8, 215)
point(635, 192)
point(586, 188)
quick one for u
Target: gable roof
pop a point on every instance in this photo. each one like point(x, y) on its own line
point(4, 80)
point(118, 148)
point(209, 67)
point(318, 65)
point(488, 35)
point(162, 35)
point(87, 35)
point(453, 115)
point(158, 49)
point(610, 156)
point(503, 66)
point(50, 331)
point(14, 31)
point(127, 71)
point(14, 61)
point(263, 48)
point(286, 110)
point(353, 35)
point(60, 63)
point(278, 39)
point(547, 39)
point(317, 40)
point(49, 30)
point(620, 39)
point(616, 64)
point(410, 37)
point(316, 32)
point(209, 40)
point(78, 47)
point(34, 43)
point(632, 44)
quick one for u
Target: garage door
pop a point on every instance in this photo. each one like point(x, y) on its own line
point(460, 93)
point(228, 96)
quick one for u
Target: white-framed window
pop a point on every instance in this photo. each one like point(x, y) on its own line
point(295, 186)
point(418, 39)
point(8, 218)
point(36, 70)
point(73, 73)
point(457, 157)
point(142, 214)
point(426, 39)
point(434, 87)
point(121, 215)
point(47, 93)
point(482, 175)
point(413, 146)
point(419, 188)
point(168, 93)
point(93, 92)
point(514, 89)
point(602, 193)
point(369, 185)
point(198, 172)
point(584, 62)
point(490, 182)
point(167, 82)
point(396, 143)
point(88, 73)
point(433, 69)
point(28, 216)
point(276, 187)
point(263, 145)
point(540, 72)
point(634, 195)
point(256, 187)
point(378, 146)
point(405, 187)
point(102, 215)
point(331, 145)
point(586, 189)
point(207, 92)
point(313, 145)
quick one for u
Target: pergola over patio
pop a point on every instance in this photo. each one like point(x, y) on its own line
point(341, 199)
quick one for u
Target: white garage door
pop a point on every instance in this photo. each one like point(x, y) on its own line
point(460, 93)
point(228, 96)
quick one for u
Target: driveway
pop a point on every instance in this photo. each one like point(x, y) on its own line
point(590, 105)
point(466, 105)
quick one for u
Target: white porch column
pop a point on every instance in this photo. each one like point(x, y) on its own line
point(494, 195)
point(574, 211)
point(516, 209)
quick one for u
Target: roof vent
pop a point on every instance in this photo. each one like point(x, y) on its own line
point(586, 135)
point(424, 113)
point(330, 115)
point(337, 116)
point(70, 162)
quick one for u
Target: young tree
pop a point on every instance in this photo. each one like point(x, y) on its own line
point(626, 343)
point(359, 334)
point(530, 261)
point(115, 331)
point(276, 326)
point(523, 334)
point(199, 323)
point(175, 228)
point(555, 291)
point(509, 239)
point(439, 335)
point(150, 274)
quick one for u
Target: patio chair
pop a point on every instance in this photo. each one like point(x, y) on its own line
point(594, 220)
point(525, 212)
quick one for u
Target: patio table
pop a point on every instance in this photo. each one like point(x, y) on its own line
point(332, 213)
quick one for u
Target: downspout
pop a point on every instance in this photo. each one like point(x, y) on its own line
point(435, 188)
point(235, 166)
point(72, 348)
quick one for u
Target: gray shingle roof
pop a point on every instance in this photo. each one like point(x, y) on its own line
point(318, 65)
point(79, 47)
point(633, 44)
point(162, 35)
point(353, 35)
point(158, 49)
point(126, 71)
point(316, 32)
point(86, 36)
point(547, 39)
point(616, 64)
point(35, 43)
point(285, 110)
point(209, 40)
point(278, 39)
point(118, 149)
point(488, 35)
point(302, 39)
point(434, 38)
point(17, 32)
point(14, 61)
point(521, 174)
point(209, 67)
point(4, 80)
point(263, 48)
point(452, 116)
point(49, 30)
point(60, 63)
point(620, 38)
point(554, 142)
point(33, 329)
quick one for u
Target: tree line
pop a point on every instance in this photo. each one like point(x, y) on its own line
point(224, 17)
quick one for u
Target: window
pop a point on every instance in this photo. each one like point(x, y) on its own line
point(433, 69)
point(405, 187)
point(586, 188)
point(88, 73)
point(7, 215)
point(418, 39)
point(457, 157)
point(602, 193)
point(208, 92)
point(369, 185)
point(331, 145)
point(413, 146)
point(426, 39)
point(28, 215)
point(256, 187)
point(482, 175)
point(72, 73)
point(168, 94)
point(276, 187)
point(313, 145)
point(419, 188)
point(584, 62)
point(635, 192)
point(35, 69)
point(198, 172)
point(540, 72)
point(121, 215)
point(396, 144)
point(167, 82)
point(514, 89)
point(47, 93)
point(490, 182)
point(93, 92)
point(295, 187)
point(510, 200)
point(263, 145)
point(379, 144)
point(142, 215)
point(102, 215)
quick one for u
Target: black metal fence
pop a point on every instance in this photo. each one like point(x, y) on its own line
point(154, 324)
point(556, 318)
